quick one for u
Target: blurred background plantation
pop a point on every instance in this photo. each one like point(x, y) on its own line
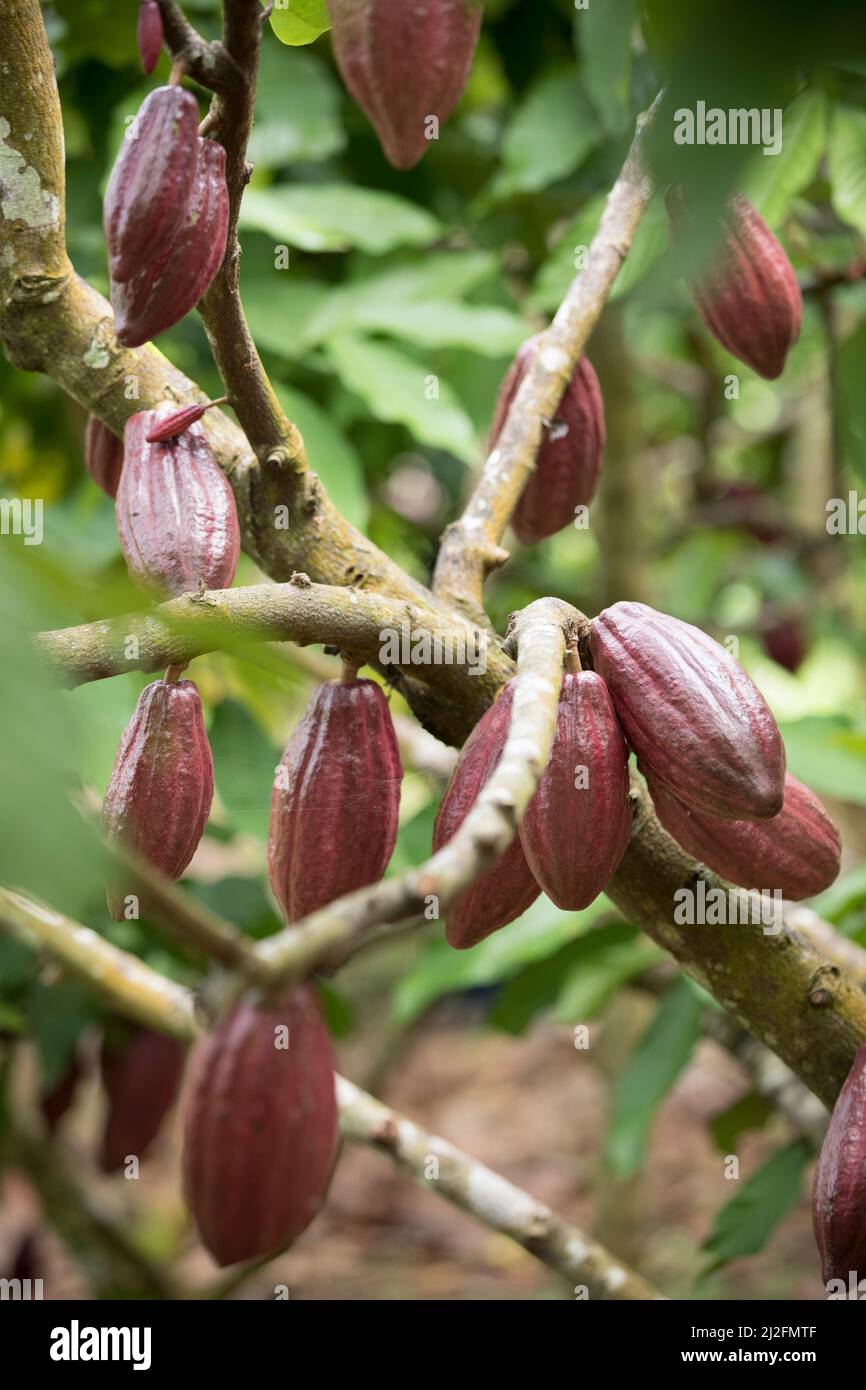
point(387, 307)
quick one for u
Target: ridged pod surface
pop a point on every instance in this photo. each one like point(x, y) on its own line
point(336, 799)
point(404, 63)
point(176, 515)
point(507, 890)
point(167, 286)
point(570, 458)
point(839, 1192)
point(699, 725)
point(750, 300)
point(140, 1078)
point(149, 34)
point(260, 1127)
point(797, 852)
point(103, 455)
point(161, 788)
point(578, 824)
point(148, 192)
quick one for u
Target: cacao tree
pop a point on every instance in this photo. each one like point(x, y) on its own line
point(542, 279)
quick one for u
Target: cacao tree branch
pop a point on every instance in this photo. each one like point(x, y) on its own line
point(208, 64)
point(471, 546)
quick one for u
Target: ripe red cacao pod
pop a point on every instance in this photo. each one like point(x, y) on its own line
point(783, 640)
point(140, 1076)
point(404, 63)
point(176, 515)
point(103, 455)
point(569, 460)
point(839, 1192)
point(336, 799)
point(148, 192)
point(507, 890)
point(578, 824)
point(149, 34)
point(55, 1102)
point(750, 299)
point(699, 726)
point(798, 851)
point(167, 286)
point(260, 1127)
point(161, 788)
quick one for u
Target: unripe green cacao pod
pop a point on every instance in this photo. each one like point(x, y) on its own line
point(508, 889)
point(260, 1127)
point(839, 1193)
point(578, 824)
point(404, 63)
point(141, 1072)
point(161, 788)
point(336, 799)
point(176, 515)
point(699, 725)
point(797, 852)
point(103, 455)
point(570, 458)
point(750, 300)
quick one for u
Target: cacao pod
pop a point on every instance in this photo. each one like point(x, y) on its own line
point(404, 64)
point(55, 1102)
point(161, 788)
point(839, 1193)
point(149, 34)
point(103, 455)
point(798, 851)
point(260, 1127)
point(176, 514)
point(168, 285)
point(570, 457)
point(750, 299)
point(170, 426)
point(699, 726)
point(575, 833)
point(336, 799)
point(783, 640)
point(508, 889)
point(148, 192)
point(141, 1078)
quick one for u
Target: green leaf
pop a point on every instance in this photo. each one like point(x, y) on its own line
point(243, 901)
point(847, 161)
point(297, 110)
point(745, 1223)
point(659, 1058)
point(336, 217)
point(550, 136)
point(603, 34)
point(244, 761)
point(281, 310)
point(773, 181)
point(331, 455)
point(751, 1111)
point(852, 400)
point(829, 755)
point(397, 388)
point(300, 21)
point(59, 1013)
point(338, 1010)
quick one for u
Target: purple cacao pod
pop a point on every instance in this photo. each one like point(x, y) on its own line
point(578, 824)
point(569, 460)
point(405, 63)
point(170, 426)
point(798, 851)
point(148, 193)
point(149, 34)
point(336, 799)
point(55, 1102)
point(161, 788)
point(260, 1127)
point(839, 1193)
point(176, 514)
point(750, 300)
point(507, 890)
point(169, 285)
point(699, 726)
point(140, 1078)
point(103, 455)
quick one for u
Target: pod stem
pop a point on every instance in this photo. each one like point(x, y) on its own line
point(349, 672)
point(174, 673)
point(572, 661)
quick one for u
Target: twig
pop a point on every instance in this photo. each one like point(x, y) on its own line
point(471, 546)
point(207, 63)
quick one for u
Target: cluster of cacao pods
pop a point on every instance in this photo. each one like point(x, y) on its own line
point(165, 217)
point(839, 1191)
point(406, 65)
point(750, 299)
point(704, 738)
point(570, 457)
